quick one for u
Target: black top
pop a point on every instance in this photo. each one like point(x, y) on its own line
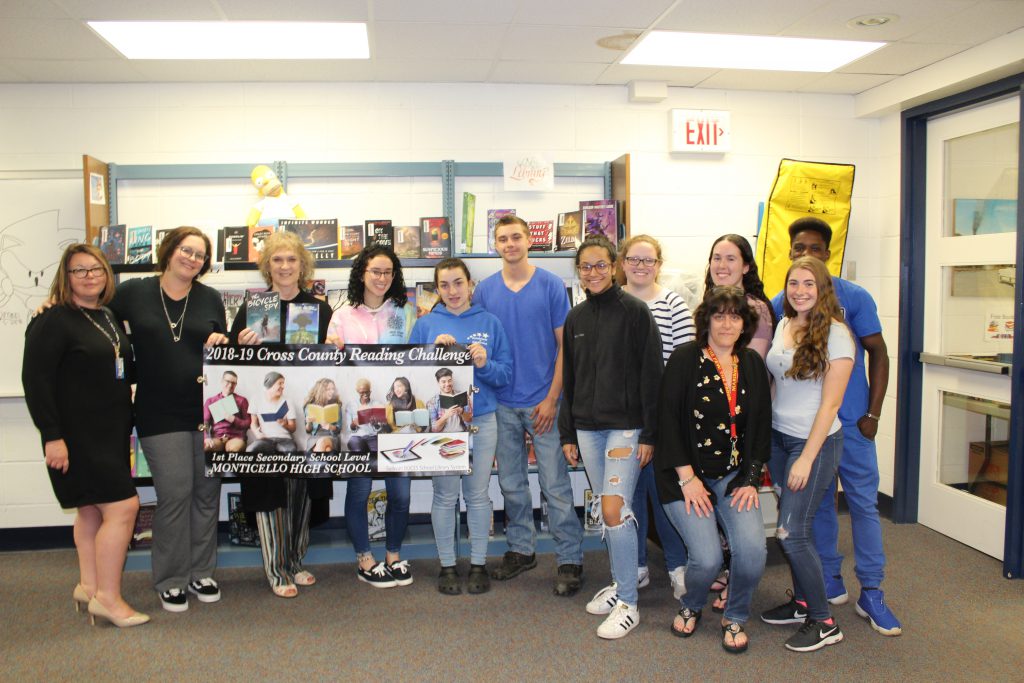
point(681, 389)
point(263, 494)
point(168, 398)
point(611, 366)
point(72, 393)
point(711, 420)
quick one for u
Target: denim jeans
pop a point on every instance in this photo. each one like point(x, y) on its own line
point(609, 456)
point(444, 512)
point(553, 474)
point(796, 514)
point(745, 532)
point(671, 542)
point(396, 515)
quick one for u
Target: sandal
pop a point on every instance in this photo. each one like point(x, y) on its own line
point(304, 578)
point(719, 603)
point(288, 590)
point(448, 581)
point(732, 629)
point(686, 614)
point(721, 583)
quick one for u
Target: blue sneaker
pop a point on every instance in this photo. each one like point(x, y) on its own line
point(872, 607)
point(835, 590)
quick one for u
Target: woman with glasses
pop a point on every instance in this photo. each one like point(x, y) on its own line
point(377, 312)
point(77, 349)
point(611, 370)
point(170, 317)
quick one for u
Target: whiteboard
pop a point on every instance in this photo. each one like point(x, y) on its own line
point(38, 219)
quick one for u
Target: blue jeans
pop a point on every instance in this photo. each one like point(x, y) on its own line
point(858, 471)
point(671, 542)
point(609, 456)
point(745, 532)
point(553, 474)
point(796, 514)
point(396, 515)
point(444, 512)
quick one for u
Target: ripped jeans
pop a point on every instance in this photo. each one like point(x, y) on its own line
point(609, 457)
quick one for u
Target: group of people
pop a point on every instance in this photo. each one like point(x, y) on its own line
point(658, 405)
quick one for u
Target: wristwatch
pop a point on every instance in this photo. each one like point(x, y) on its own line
point(873, 417)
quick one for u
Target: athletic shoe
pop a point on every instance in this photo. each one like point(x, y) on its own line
point(513, 564)
point(814, 635)
point(400, 572)
point(835, 590)
point(790, 613)
point(872, 607)
point(678, 578)
point(377, 576)
point(643, 577)
point(621, 620)
point(603, 600)
point(174, 600)
point(568, 579)
point(205, 589)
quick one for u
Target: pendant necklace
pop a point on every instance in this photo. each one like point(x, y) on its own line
point(177, 329)
point(114, 340)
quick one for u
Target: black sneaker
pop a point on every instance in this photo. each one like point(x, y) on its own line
point(568, 579)
point(790, 613)
point(400, 572)
point(814, 635)
point(478, 581)
point(174, 600)
point(512, 565)
point(205, 589)
point(377, 576)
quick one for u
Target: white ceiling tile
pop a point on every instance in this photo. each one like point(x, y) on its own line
point(76, 70)
point(749, 17)
point(295, 10)
point(412, 42)
point(846, 84)
point(507, 71)
point(142, 10)
point(982, 22)
point(914, 15)
point(620, 74)
point(475, 12)
point(228, 71)
point(31, 9)
point(449, 71)
point(51, 39)
point(901, 58)
point(636, 14)
point(558, 43)
point(742, 79)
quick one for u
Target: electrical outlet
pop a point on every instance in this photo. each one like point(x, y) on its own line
point(851, 270)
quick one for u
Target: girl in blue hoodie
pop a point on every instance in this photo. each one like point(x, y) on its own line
point(457, 321)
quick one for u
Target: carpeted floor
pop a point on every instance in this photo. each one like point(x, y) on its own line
point(961, 620)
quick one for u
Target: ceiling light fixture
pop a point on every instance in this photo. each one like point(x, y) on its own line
point(724, 51)
point(235, 39)
point(872, 20)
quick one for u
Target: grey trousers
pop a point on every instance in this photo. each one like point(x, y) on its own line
point(187, 509)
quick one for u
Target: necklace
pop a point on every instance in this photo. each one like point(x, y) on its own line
point(114, 340)
point(174, 325)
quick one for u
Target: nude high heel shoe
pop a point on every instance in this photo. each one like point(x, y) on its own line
point(98, 610)
point(80, 598)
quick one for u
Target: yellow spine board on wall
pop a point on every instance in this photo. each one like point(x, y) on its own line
point(803, 188)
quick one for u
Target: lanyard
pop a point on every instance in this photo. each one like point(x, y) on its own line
point(731, 394)
point(115, 340)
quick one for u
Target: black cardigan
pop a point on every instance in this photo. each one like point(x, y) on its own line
point(677, 437)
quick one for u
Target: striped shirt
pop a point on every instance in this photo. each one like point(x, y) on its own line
point(674, 321)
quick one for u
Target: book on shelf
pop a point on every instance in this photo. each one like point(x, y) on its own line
point(263, 315)
point(224, 408)
point(376, 506)
point(258, 234)
point(139, 464)
point(417, 418)
point(460, 400)
point(142, 532)
point(350, 240)
point(426, 298)
point(318, 288)
point(493, 215)
point(112, 243)
point(303, 324)
point(592, 511)
point(240, 532)
point(569, 232)
point(336, 298)
point(372, 416)
point(435, 238)
point(236, 244)
point(407, 241)
point(541, 233)
point(233, 299)
point(158, 238)
point(328, 414)
point(600, 217)
point(380, 231)
point(140, 244)
point(318, 235)
point(468, 221)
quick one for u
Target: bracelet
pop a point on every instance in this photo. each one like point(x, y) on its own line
point(684, 482)
point(873, 417)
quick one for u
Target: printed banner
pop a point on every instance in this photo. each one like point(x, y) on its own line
point(319, 411)
point(529, 173)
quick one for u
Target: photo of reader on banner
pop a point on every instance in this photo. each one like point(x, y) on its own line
point(319, 411)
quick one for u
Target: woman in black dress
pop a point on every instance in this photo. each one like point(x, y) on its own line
point(76, 349)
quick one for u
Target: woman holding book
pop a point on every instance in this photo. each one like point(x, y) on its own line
point(322, 409)
point(401, 408)
point(283, 505)
point(76, 349)
point(611, 369)
point(714, 435)
point(459, 322)
point(377, 312)
point(366, 419)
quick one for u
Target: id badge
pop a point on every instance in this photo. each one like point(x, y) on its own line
point(119, 367)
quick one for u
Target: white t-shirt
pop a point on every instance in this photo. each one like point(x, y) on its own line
point(272, 429)
point(797, 401)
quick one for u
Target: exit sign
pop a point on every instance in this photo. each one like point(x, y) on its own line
point(699, 130)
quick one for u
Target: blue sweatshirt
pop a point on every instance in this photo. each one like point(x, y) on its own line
point(473, 326)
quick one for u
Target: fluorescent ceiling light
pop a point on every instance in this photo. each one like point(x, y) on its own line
point(235, 39)
point(722, 51)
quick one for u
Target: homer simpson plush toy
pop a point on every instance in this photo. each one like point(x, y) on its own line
point(275, 203)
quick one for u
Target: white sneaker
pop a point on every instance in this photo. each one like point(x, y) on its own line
point(621, 620)
point(678, 578)
point(603, 600)
point(643, 577)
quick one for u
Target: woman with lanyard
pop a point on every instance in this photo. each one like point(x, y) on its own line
point(377, 312)
point(73, 350)
point(714, 434)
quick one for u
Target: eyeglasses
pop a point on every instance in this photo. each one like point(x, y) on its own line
point(190, 253)
point(82, 273)
point(601, 267)
point(385, 274)
point(636, 261)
